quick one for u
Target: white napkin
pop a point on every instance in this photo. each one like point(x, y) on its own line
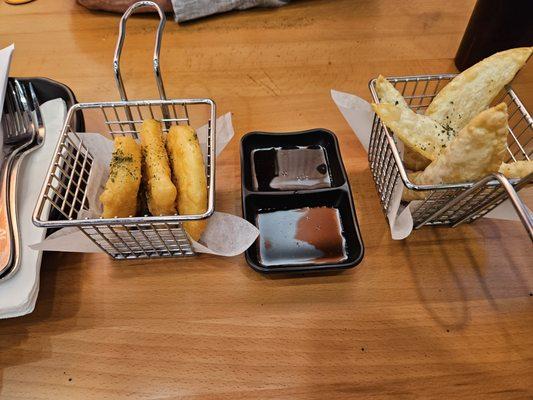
point(19, 293)
point(359, 115)
point(225, 234)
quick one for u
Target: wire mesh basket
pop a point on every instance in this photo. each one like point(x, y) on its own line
point(449, 204)
point(63, 199)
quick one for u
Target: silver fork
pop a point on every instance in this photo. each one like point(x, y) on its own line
point(18, 135)
point(38, 141)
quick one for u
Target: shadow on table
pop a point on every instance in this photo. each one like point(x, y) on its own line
point(17, 344)
point(444, 270)
point(463, 269)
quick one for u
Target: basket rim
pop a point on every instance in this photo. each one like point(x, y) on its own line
point(141, 102)
point(41, 209)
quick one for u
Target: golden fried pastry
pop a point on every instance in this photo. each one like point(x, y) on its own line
point(476, 151)
point(160, 191)
point(418, 132)
point(387, 93)
point(472, 91)
point(188, 172)
point(414, 161)
point(119, 198)
point(517, 169)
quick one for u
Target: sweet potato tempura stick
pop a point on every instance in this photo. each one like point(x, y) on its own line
point(160, 191)
point(188, 172)
point(119, 198)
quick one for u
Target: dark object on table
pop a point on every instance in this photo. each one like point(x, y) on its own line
point(495, 25)
point(296, 191)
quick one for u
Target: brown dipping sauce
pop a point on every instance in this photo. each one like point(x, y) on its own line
point(309, 235)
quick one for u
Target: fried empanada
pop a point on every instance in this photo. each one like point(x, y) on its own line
point(476, 151)
point(418, 132)
point(188, 173)
point(119, 199)
point(517, 169)
point(387, 93)
point(414, 161)
point(472, 91)
point(160, 191)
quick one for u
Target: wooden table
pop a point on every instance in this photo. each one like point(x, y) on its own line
point(446, 313)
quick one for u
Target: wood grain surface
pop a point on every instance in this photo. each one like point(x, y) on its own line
point(447, 313)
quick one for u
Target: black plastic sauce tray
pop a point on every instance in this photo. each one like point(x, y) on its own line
point(296, 192)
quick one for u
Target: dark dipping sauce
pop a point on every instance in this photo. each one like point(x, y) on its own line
point(300, 167)
point(301, 236)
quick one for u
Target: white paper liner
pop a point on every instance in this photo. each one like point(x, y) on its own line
point(359, 115)
point(225, 234)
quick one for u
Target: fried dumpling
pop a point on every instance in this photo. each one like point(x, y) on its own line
point(473, 90)
point(476, 151)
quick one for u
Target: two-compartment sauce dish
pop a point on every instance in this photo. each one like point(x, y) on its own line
point(296, 192)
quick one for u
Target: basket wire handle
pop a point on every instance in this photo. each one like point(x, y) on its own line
point(521, 209)
point(155, 61)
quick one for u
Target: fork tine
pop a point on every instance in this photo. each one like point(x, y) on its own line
point(10, 116)
point(19, 110)
point(35, 102)
point(11, 95)
point(27, 115)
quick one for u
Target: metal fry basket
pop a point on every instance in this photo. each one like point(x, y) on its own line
point(63, 197)
point(450, 204)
